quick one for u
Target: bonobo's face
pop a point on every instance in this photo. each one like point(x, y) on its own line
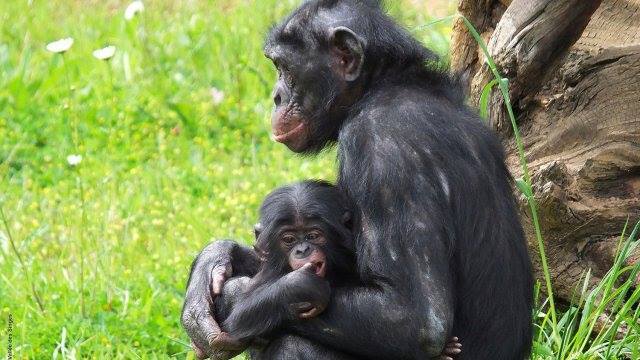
point(304, 245)
point(318, 79)
point(306, 223)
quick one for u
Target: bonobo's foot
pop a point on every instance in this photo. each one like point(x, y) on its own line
point(451, 349)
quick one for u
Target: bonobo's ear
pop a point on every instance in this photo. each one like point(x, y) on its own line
point(348, 48)
point(257, 229)
point(347, 220)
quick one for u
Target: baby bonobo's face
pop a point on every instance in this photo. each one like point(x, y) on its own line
point(304, 245)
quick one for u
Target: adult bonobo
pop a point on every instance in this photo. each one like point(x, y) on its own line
point(439, 247)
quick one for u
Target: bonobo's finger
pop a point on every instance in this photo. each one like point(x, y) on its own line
point(219, 275)
point(452, 348)
point(199, 353)
point(223, 354)
point(301, 307)
point(306, 310)
point(308, 267)
point(224, 341)
point(311, 313)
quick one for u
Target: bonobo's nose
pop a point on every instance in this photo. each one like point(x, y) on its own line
point(280, 95)
point(302, 251)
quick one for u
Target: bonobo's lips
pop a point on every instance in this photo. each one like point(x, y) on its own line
point(289, 128)
point(292, 134)
point(319, 263)
point(316, 262)
point(319, 268)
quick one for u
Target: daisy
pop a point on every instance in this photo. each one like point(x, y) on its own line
point(60, 46)
point(133, 9)
point(217, 96)
point(74, 160)
point(105, 53)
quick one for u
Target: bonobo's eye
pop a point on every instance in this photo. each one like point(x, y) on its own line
point(288, 239)
point(312, 235)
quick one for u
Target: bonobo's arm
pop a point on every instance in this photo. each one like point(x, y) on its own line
point(265, 308)
point(213, 265)
point(405, 307)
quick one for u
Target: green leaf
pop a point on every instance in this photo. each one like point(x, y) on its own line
point(524, 187)
point(484, 98)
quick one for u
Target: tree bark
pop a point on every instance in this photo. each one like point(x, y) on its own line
point(574, 73)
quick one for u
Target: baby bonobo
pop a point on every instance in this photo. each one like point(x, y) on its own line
point(306, 247)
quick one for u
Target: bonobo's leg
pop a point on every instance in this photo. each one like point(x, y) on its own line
point(213, 265)
point(291, 347)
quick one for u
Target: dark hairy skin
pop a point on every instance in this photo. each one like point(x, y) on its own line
point(439, 247)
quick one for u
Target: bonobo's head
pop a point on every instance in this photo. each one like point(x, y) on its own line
point(328, 53)
point(305, 223)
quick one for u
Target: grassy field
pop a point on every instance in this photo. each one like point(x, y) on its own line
point(114, 174)
point(174, 137)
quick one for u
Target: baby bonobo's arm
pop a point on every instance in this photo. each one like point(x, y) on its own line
point(262, 310)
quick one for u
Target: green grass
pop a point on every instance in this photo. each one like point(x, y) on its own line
point(94, 258)
point(105, 247)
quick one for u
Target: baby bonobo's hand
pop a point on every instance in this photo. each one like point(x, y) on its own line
point(451, 349)
point(309, 293)
point(228, 342)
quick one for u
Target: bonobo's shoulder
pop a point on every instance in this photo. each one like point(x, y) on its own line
point(390, 110)
point(401, 102)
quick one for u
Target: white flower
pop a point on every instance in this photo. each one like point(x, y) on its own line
point(133, 8)
point(105, 53)
point(60, 46)
point(74, 160)
point(217, 96)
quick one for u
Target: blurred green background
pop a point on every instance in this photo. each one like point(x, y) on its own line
point(174, 137)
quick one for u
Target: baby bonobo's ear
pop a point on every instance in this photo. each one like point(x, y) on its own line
point(347, 220)
point(257, 229)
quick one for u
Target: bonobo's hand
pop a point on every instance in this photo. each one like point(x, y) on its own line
point(307, 292)
point(451, 349)
point(208, 273)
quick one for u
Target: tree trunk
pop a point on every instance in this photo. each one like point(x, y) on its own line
point(574, 73)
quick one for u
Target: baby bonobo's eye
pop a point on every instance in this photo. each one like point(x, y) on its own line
point(311, 236)
point(288, 239)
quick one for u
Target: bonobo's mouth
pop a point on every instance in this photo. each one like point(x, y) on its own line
point(319, 267)
point(315, 262)
point(289, 128)
point(292, 134)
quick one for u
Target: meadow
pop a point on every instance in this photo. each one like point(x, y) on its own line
point(114, 173)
